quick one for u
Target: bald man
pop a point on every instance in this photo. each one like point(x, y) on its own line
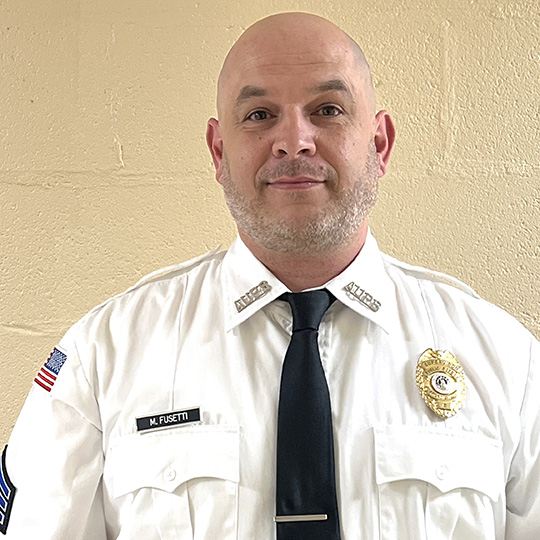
point(207, 403)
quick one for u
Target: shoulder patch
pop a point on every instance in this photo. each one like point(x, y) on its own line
point(49, 372)
point(7, 494)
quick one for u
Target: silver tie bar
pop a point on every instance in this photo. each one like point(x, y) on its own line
point(301, 517)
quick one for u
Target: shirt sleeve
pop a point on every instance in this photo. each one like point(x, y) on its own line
point(523, 488)
point(53, 463)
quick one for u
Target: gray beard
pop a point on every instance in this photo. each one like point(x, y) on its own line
point(325, 230)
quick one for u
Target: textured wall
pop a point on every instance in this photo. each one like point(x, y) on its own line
point(104, 174)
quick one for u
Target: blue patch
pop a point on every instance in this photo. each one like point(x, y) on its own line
point(56, 361)
point(7, 494)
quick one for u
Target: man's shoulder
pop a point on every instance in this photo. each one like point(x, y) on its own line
point(449, 299)
point(426, 275)
point(162, 281)
point(180, 269)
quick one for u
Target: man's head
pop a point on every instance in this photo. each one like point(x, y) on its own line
point(298, 147)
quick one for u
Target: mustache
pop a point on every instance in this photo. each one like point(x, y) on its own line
point(297, 168)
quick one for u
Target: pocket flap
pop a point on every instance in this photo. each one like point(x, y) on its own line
point(166, 459)
point(447, 459)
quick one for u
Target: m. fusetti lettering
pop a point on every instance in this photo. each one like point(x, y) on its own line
point(169, 419)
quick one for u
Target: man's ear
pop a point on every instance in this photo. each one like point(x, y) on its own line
point(385, 135)
point(215, 145)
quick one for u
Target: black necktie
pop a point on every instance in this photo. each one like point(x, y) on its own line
point(306, 503)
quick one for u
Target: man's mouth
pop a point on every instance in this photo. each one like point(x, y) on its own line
point(295, 182)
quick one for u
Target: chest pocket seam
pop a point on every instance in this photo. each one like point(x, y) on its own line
point(446, 459)
point(166, 459)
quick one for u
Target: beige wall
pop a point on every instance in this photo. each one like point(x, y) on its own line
point(104, 174)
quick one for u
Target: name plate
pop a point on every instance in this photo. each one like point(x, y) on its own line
point(169, 419)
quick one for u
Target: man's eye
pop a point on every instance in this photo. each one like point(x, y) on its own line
point(258, 116)
point(329, 110)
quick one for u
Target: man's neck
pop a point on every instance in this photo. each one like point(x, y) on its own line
point(300, 272)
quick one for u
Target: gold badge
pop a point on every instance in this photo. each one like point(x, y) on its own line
point(441, 382)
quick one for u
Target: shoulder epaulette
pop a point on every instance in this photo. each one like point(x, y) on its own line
point(431, 275)
point(160, 275)
point(174, 270)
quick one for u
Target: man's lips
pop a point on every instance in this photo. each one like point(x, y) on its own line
point(295, 182)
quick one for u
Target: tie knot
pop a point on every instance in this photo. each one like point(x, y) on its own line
point(308, 308)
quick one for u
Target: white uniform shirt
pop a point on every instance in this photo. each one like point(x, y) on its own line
point(177, 341)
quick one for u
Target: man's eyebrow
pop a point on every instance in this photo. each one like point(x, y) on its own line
point(333, 85)
point(248, 92)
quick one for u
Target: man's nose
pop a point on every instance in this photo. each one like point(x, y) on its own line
point(294, 136)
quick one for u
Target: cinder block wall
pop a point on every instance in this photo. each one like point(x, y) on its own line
point(104, 173)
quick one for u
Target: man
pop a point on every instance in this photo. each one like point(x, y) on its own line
point(156, 417)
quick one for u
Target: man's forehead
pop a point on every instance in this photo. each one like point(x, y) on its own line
point(250, 91)
point(301, 69)
point(284, 55)
point(278, 49)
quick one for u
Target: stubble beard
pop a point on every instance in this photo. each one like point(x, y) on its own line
point(324, 230)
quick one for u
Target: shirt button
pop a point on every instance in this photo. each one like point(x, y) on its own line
point(170, 474)
point(442, 472)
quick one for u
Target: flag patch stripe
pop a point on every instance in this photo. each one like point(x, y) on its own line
point(37, 381)
point(49, 372)
point(8, 491)
point(45, 377)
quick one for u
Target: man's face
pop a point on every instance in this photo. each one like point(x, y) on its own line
point(295, 145)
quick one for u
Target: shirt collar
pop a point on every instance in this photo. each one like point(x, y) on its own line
point(364, 286)
point(247, 284)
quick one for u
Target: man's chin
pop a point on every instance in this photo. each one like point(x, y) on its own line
point(294, 239)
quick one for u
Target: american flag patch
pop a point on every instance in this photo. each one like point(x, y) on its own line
point(49, 372)
point(7, 494)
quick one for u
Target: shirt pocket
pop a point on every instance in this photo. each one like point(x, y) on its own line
point(177, 484)
point(438, 484)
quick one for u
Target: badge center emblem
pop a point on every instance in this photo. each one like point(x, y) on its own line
point(442, 383)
